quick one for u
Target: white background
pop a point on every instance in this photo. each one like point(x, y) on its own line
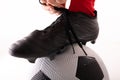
point(20, 17)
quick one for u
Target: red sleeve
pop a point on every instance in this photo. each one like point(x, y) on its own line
point(85, 6)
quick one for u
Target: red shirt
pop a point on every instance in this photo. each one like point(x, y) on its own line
point(85, 6)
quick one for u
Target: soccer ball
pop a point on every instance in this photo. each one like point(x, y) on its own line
point(69, 66)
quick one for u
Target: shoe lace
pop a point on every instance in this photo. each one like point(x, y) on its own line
point(69, 29)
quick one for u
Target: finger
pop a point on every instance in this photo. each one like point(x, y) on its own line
point(61, 1)
point(43, 1)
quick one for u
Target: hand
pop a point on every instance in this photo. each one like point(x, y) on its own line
point(56, 3)
point(49, 5)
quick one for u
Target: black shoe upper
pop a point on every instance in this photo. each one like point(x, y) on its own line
point(43, 43)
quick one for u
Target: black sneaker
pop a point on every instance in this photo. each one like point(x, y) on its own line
point(43, 43)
